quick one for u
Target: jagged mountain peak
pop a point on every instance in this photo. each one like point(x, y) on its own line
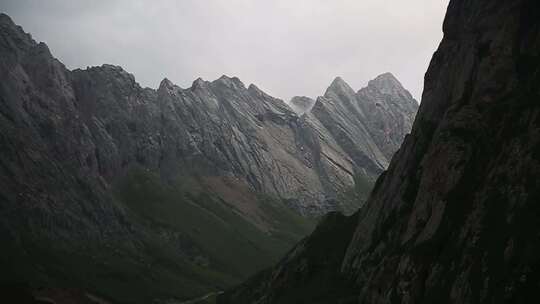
point(166, 84)
point(199, 83)
point(339, 85)
point(231, 82)
point(338, 80)
point(385, 82)
point(388, 76)
point(388, 84)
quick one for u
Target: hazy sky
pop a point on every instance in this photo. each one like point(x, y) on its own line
point(285, 47)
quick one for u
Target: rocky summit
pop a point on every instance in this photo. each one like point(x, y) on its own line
point(456, 216)
point(136, 194)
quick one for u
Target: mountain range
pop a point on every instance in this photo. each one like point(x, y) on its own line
point(135, 194)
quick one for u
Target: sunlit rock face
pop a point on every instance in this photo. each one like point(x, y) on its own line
point(455, 218)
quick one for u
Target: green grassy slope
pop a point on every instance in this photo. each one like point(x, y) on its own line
point(218, 246)
point(185, 241)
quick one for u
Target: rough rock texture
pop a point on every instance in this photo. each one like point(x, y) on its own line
point(358, 131)
point(369, 125)
point(456, 218)
point(388, 110)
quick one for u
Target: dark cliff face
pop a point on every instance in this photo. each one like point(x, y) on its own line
point(457, 213)
point(456, 217)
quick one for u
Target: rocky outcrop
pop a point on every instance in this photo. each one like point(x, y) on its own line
point(455, 218)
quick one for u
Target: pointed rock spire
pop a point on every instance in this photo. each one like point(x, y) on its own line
point(387, 84)
point(340, 87)
point(199, 83)
point(165, 84)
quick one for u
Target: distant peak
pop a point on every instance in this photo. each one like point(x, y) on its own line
point(232, 82)
point(386, 76)
point(165, 84)
point(225, 78)
point(386, 83)
point(301, 98)
point(338, 81)
point(339, 85)
point(301, 104)
point(199, 83)
point(302, 101)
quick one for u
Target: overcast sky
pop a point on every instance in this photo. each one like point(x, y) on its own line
point(285, 47)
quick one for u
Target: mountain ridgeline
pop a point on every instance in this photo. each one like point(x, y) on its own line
point(456, 217)
point(135, 195)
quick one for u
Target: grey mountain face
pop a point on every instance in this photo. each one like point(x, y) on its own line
point(221, 126)
point(388, 110)
point(90, 161)
point(368, 125)
point(456, 217)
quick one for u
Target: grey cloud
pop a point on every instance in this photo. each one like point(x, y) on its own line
point(286, 47)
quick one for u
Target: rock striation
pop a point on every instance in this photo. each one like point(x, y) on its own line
point(455, 218)
point(366, 125)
